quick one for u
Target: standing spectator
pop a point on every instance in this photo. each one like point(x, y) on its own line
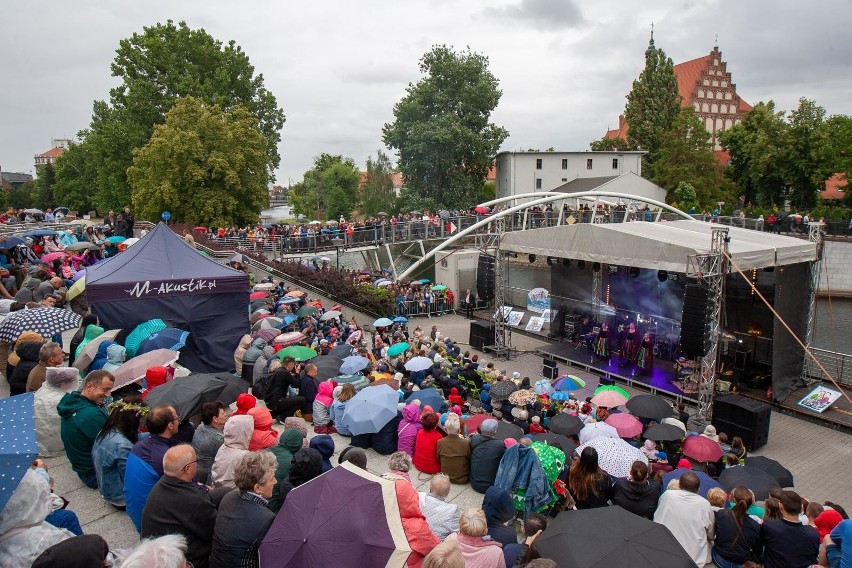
point(787, 542)
point(689, 517)
point(113, 445)
point(443, 517)
point(426, 445)
point(58, 381)
point(83, 416)
point(485, 456)
point(129, 221)
point(208, 437)
point(454, 451)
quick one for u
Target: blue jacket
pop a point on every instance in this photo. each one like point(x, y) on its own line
point(140, 479)
point(337, 409)
point(101, 357)
point(521, 469)
point(109, 454)
point(152, 449)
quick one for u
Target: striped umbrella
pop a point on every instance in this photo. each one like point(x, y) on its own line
point(142, 332)
point(569, 383)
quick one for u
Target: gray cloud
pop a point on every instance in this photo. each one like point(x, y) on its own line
point(543, 14)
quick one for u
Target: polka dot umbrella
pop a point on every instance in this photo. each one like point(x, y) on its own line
point(45, 321)
point(18, 446)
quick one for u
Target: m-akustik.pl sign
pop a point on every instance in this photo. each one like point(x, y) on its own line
point(167, 288)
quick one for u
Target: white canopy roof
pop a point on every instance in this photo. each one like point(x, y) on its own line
point(661, 246)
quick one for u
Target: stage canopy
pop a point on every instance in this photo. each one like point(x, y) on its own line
point(660, 246)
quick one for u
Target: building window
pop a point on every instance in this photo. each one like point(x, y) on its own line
point(589, 164)
point(615, 163)
point(538, 182)
point(538, 164)
point(564, 163)
point(564, 179)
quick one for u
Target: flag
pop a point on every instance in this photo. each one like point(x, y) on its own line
point(451, 228)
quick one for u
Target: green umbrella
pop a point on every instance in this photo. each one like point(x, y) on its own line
point(615, 388)
point(142, 332)
point(425, 281)
point(307, 311)
point(297, 352)
point(398, 348)
point(439, 287)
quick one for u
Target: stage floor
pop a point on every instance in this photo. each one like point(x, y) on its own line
point(837, 416)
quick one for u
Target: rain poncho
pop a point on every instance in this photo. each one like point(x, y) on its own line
point(47, 421)
point(238, 431)
point(254, 352)
point(100, 358)
point(91, 332)
point(115, 355)
point(245, 343)
point(23, 532)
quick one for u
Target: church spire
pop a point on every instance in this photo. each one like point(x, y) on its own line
point(651, 47)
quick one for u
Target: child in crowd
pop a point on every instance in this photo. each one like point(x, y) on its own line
point(535, 426)
point(322, 408)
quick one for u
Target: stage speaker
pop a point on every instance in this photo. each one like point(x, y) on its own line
point(485, 277)
point(742, 359)
point(747, 418)
point(696, 325)
point(481, 334)
point(606, 381)
point(549, 369)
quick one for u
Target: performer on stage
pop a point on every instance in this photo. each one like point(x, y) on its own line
point(646, 354)
point(630, 347)
point(602, 345)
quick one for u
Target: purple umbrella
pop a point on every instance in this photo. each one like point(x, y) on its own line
point(707, 482)
point(316, 528)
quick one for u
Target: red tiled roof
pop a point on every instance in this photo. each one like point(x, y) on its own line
point(492, 173)
point(396, 179)
point(52, 153)
point(835, 187)
point(620, 132)
point(722, 157)
point(688, 73)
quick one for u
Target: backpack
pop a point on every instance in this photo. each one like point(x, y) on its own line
point(262, 387)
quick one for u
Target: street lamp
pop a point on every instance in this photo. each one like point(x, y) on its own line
point(337, 242)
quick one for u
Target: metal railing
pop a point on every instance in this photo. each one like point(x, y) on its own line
point(420, 308)
point(838, 364)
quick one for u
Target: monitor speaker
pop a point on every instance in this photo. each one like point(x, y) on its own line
point(696, 324)
point(549, 369)
point(485, 277)
point(481, 334)
point(747, 418)
point(607, 381)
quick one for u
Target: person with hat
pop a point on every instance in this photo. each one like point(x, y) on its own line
point(486, 453)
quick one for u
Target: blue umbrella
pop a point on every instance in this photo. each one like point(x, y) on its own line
point(353, 364)
point(11, 243)
point(383, 322)
point(18, 446)
point(559, 396)
point(419, 364)
point(141, 333)
point(369, 410)
point(707, 482)
point(40, 233)
point(116, 239)
point(286, 320)
point(543, 386)
point(428, 396)
point(169, 338)
point(400, 319)
point(289, 300)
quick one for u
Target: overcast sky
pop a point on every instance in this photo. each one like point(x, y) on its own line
point(338, 67)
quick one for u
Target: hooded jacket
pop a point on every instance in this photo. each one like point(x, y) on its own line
point(499, 509)
point(82, 420)
point(100, 358)
point(109, 455)
point(47, 421)
point(263, 435)
point(237, 433)
point(115, 355)
point(408, 429)
point(28, 353)
point(520, 467)
point(324, 444)
point(289, 443)
point(338, 408)
point(638, 498)
point(322, 404)
point(254, 352)
point(92, 332)
point(485, 456)
point(420, 537)
point(245, 343)
point(306, 465)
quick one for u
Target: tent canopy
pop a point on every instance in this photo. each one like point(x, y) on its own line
point(660, 246)
point(163, 277)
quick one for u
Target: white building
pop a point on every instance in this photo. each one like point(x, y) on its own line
point(522, 172)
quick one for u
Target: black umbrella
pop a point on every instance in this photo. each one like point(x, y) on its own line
point(328, 366)
point(610, 536)
point(500, 390)
point(187, 394)
point(557, 440)
point(781, 474)
point(341, 351)
point(566, 424)
point(649, 406)
point(506, 431)
point(663, 433)
point(755, 479)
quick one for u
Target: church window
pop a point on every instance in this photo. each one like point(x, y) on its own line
point(715, 62)
point(724, 83)
point(719, 124)
point(714, 108)
point(705, 107)
point(728, 123)
point(705, 82)
point(715, 83)
point(700, 93)
point(708, 124)
point(723, 109)
point(727, 96)
point(696, 106)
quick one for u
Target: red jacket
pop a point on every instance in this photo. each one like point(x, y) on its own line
point(420, 537)
point(426, 451)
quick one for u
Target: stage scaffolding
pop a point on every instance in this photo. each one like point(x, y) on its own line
point(502, 346)
point(810, 369)
point(710, 269)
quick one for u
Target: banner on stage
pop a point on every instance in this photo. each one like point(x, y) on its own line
point(502, 312)
point(535, 324)
point(514, 319)
point(548, 315)
point(820, 398)
point(538, 300)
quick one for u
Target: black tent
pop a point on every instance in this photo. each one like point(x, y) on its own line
point(163, 277)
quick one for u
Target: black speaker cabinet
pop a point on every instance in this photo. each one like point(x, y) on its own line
point(481, 334)
point(550, 369)
point(747, 418)
point(607, 381)
point(485, 277)
point(695, 324)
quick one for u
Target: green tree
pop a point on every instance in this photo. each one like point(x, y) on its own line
point(76, 178)
point(205, 165)
point(328, 190)
point(757, 146)
point(810, 156)
point(43, 187)
point(611, 145)
point(653, 104)
point(441, 129)
point(23, 196)
point(685, 196)
point(685, 155)
point(378, 193)
point(840, 133)
point(156, 68)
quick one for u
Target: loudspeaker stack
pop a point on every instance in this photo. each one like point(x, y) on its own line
point(485, 277)
point(747, 418)
point(696, 325)
point(549, 369)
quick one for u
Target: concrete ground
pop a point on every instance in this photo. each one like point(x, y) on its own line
point(817, 456)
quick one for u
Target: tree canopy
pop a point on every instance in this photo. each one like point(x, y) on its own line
point(329, 189)
point(378, 193)
point(205, 165)
point(441, 130)
point(156, 68)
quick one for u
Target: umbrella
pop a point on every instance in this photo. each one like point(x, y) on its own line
point(702, 449)
point(341, 351)
point(400, 319)
point(295, 294)
point(199, 229)
point(472, 424)
point(612, 537)
point(609, 399)
point(543, 386)
point(391, 382)
point(506, 431)
point(759, 481)
point(500, 390)
point(615, 456)
point(429, 396)
point(424, 280)
point(706, 482)
point(418, 364)
point(45, 321)
point(381, 214)
point(439, 287)
point(289, 300)
point(565, 424)
point(314, 529)
point(781, 474)
point(18, 446)
point(522, 397)
point(169, 338)
point(562, 442)
point(268, 334)
point(286, 320)
point(40, 233)
point(33, 211)
point(131, 241)
point(316, 303)
point(11, 243)
point(307, 311)
point(135, 368)
point(569, 383)
point(398, 348)
point(83, 245)
point(140, 333)
point(239, 257)
point(627, 425)
point(383, 322)
point(560, 396)
point(649, 406)
point(290, 338)
point(331, 314)
point(353, 364)
point(672, 421)
point(258, 295)
point(87, 355)
point(327, 368)
point(663, 433)
point(369, 410)
point(51, 256)
point(614, 388)
point(385, 283)
point(297, 352)
point(258, 315)
point(78, 275)
point(76, 289)
point(264, 287)
point(595, 430)
point(116, 239)
point(268, 322)
point(187, 394)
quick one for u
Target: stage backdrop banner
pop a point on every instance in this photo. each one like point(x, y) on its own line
point(791, 302)
point(538, 300)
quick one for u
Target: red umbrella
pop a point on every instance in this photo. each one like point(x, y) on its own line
point(626, 425)
point(200, 229)
point(481, 210)
point(258, 296)
point(701, 449)
point(474, 422)
point(315, 303)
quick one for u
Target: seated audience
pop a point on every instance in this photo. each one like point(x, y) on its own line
point(442, 516)
point(83, 416)
point(477, 550)
point(689, 518)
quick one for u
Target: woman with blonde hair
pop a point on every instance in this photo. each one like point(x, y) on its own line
point(338, 407)
point(477, 551)
point(445, 555)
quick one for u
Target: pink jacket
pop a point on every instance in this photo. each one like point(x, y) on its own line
point(408, 428)
point(479, 553)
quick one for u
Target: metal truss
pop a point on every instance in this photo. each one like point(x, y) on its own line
point(809, 368)
point(502, 347)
